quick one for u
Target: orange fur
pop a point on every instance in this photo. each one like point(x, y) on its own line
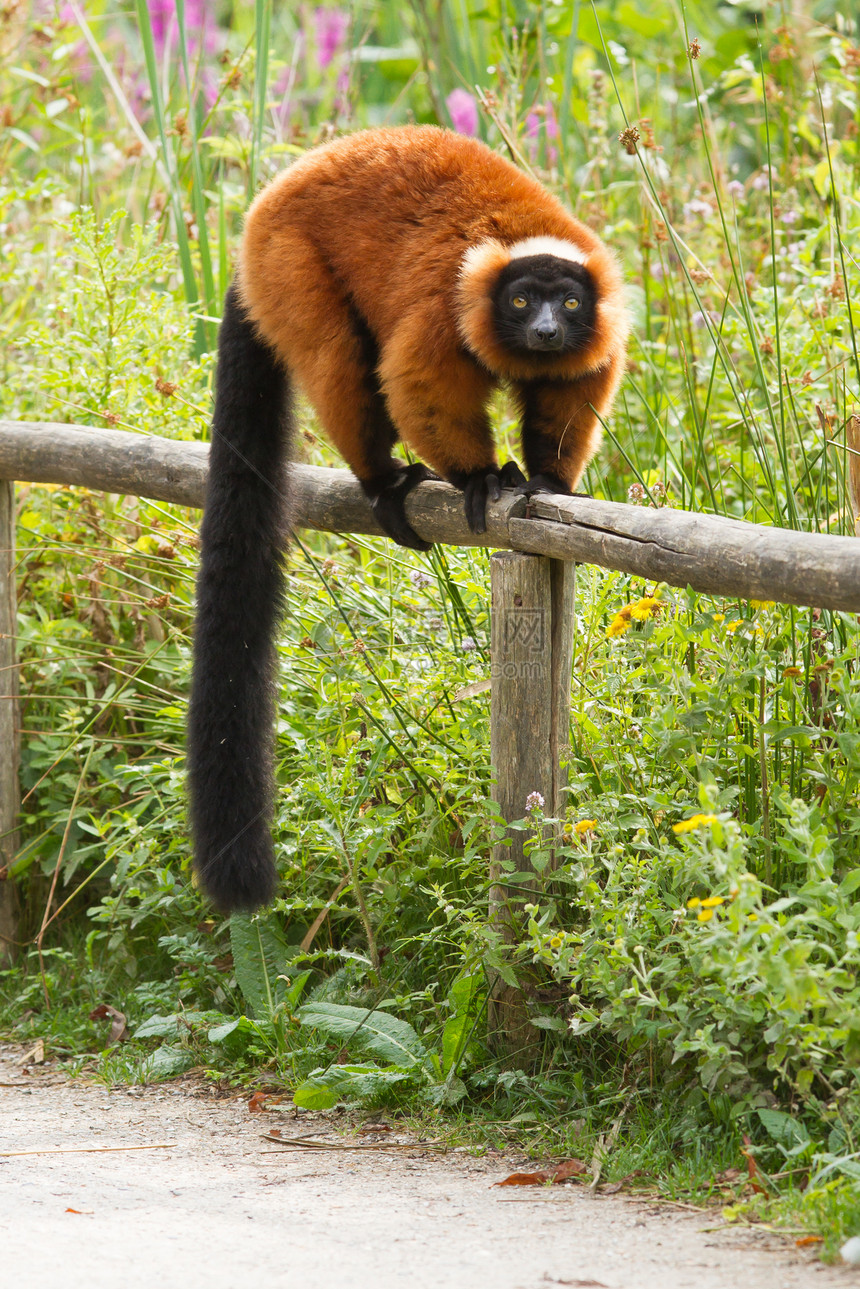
point(367, 267)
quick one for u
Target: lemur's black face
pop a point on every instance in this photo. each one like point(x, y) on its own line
point(542, 304)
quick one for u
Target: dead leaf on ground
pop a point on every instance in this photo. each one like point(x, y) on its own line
point(753, 1169)
point(257, 1103)
point(81, 1212)
point(34, 1055)
point(118, 1029)
point(561, 1173)
point(808, 1239)
point(614, 1187)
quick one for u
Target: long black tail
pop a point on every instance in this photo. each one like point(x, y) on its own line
point(239, 598)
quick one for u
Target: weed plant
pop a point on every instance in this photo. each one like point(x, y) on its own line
point(696, 949)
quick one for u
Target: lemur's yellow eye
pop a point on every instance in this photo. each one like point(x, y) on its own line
point(519, 302)
point(571, 303)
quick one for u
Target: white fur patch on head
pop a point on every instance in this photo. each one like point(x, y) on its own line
point(554, 246)
point(480, 256)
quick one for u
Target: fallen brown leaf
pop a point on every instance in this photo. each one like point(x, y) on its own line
point(569, 1168)
point(752, 1168)
point(82, 1212)
point(808, 1239)
point(118, 1029)
point(257, 1103)
point(34, 1055)
point(614, 1187)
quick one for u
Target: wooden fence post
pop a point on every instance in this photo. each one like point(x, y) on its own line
point(9, 732)
point(531, 655)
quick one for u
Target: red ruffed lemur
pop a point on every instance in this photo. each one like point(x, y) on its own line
point(396, 276)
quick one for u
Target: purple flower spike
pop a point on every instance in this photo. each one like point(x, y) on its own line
point(464, 112)
point(330, 26)
point(200, 26)
point(162, 18)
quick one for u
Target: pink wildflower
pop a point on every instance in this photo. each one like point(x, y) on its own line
point(464, 111)
point(331, 27)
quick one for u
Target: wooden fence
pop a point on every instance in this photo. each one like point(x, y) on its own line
point(532, 581)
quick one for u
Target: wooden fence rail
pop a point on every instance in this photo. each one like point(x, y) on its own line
point(709, 553)
point(532, 589)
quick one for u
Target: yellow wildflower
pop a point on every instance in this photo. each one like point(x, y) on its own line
point(620, 623)
point(585, 825)
point(718, 618)
point(704, 915)
point(645, 608)
point(696, 821)
point(556, 942)
point(753, 917)
point(761, 604)
point(713, 902)
point(732, 627)
point(792, 671)
point(694, 902)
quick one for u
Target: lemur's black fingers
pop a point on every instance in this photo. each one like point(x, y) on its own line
point(542, 483)
point(476, 503)
point(388, 503)
point(510, 475)
point(391, 517)
point(477, 488)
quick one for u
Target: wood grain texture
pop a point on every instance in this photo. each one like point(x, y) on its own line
point(9, 725)
point(521, 753)
point(709, 553)
point(563, 600)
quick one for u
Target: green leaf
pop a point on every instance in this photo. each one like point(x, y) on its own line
point(850, 882)
point(157, 1027)
point(220, 1032)
point(448, 1093)
point(551, 1022)
point(783, 1129)
point(392, 1039)
point(324, 1088)
point(166, 1061)
point(170, 1026)
point(311, 1097)
point(454, 1037)
point(464, 998)
point(236, 1035)
point(260, 954)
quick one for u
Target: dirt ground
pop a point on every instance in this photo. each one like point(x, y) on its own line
point(207, 1202)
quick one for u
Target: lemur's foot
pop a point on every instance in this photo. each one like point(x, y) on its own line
point(481, 486)
point(387, 498)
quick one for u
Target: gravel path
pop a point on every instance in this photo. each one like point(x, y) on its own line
point(223, 1209)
